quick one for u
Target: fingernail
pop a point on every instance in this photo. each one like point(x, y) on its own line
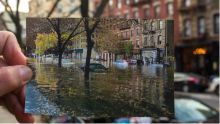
point(25, 73)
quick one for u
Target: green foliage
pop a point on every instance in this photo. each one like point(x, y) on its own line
point(128, 47)
point(45, 41)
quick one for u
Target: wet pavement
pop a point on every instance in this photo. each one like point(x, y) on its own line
point(135, 91)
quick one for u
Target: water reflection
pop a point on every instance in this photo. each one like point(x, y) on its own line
point(135, 91)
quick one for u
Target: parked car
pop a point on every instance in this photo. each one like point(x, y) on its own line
point(214, 85)
point(121, 64)
point(189, 82)
point(189, 109)
point(95, 67)
point(132, 62)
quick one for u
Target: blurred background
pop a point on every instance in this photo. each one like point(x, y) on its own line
point(196, 37)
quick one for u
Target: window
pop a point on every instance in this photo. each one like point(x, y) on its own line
point(157, 11)
point(161, 24)
point(216, 23)
point(153, 26)
point(110, 2)
point(137, 44)
point(146, 13)
point(136, 14)
point(170, 9)
point(201, 25)
point(145, 41)
point(136, 1)
point(159, 40)
point(186, 3)
point(127, 2)
point(119, 4)
point(187, 27)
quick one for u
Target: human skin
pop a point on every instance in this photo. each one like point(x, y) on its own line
point(14, 74)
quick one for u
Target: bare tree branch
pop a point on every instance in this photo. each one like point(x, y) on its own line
point(53, 8)
point(70, 36)
point(51, 23)
point(73, 11)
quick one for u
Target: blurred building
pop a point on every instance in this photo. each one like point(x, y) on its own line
point(65, 8)
point(198, 48)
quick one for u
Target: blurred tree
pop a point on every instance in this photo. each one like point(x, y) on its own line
point(15, 18)
point(128, 47)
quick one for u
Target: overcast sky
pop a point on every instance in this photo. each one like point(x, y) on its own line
point(24, 7)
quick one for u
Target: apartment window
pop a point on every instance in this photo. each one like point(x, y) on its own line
point(137, 44)
point(187, 27)
point(110, 2)
point(216, 23)
point(159, 40)
point(186, 3)
point(201, 25)
point(170, 9)
point(119, 4)
point(136, 1)
point(146, 13)
point(161, 24)
point(153, 25)
point(127, 2)
point(136, 14)
point(145, 41)
point(157, 11)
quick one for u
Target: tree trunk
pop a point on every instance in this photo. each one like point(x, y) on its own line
point(60, 59)
point(88, 56)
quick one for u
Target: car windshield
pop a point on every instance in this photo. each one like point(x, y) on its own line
point(189, 110)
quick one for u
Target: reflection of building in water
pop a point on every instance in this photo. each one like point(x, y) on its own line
point(154, 36)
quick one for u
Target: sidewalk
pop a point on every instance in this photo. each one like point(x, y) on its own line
point(7, 117)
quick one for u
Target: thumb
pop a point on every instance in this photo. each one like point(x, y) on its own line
point(12, 77)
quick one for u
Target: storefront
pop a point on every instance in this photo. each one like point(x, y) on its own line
point(201, 58)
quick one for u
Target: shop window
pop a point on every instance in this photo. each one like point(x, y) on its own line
point(201, 25)
point(161, 25)
point(187, 28)
point(216, 23)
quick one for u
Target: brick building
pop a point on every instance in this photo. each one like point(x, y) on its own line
point(198, 48)
point(144, 9)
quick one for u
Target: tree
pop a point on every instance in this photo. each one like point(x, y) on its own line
point(15, 18)
point(106, 40)
point(90, 26)
point(61, 33)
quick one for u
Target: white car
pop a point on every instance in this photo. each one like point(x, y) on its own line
point(214, 85)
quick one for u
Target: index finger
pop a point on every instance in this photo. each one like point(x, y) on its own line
point(10, 49)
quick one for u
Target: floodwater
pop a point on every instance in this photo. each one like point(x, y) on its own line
point(135, 91)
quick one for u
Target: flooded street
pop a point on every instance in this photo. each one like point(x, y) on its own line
point(135, 91)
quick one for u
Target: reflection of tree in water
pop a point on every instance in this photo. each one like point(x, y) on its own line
point(119, 92)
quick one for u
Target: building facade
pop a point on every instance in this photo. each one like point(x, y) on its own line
point(198, 48)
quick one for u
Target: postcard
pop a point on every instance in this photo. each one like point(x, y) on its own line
point(100, 67)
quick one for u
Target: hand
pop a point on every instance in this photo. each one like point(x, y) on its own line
point(13, 76)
